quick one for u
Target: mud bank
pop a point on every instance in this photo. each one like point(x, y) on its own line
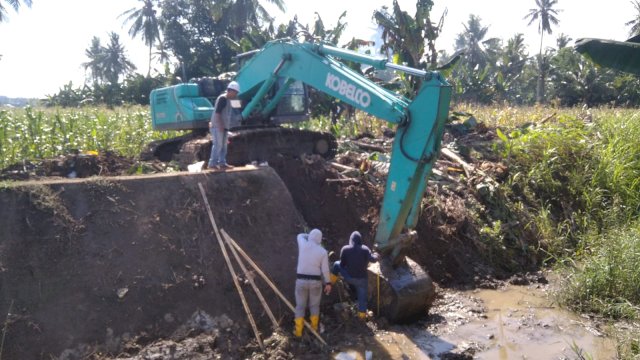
point(98, 261)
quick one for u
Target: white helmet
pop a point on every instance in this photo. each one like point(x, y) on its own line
point(234, 86)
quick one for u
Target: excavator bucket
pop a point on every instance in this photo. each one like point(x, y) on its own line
point(400, 293)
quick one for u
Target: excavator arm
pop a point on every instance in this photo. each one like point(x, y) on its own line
point(406, 288)
point(420, 122)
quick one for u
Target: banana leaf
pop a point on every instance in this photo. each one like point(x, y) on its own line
point(619, 55)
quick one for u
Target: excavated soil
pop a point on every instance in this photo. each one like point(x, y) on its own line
point(128, 266)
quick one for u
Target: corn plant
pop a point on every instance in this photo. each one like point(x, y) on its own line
point(30, 134)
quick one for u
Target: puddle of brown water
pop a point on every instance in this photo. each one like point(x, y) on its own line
point(520, 323)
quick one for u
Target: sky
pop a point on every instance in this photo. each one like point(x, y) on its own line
point(43, 47)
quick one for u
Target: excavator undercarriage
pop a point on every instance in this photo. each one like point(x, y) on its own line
point(246, 145)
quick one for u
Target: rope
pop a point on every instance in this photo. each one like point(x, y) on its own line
point(378, 300)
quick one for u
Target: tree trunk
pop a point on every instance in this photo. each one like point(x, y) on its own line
point(540, 82)
point(149, 69)
point(540, 88)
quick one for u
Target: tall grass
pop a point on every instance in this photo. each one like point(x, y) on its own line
point(618, 167)
point(30, 134)
point(580, 176)
point(606, 280)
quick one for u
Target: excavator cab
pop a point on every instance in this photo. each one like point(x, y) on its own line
point(294, 106)
point(179, 107)
point(190, 105)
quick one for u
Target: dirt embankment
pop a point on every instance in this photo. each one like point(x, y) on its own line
point(104, 260)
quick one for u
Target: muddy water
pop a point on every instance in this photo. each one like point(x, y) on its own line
point(522, 323)
point(513, 323)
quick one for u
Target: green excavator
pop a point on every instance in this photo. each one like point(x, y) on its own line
point(273, 82)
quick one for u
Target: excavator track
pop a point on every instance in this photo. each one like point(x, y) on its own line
point(264, 143)
point(245, 146)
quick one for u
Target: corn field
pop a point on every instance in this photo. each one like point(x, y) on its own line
point(30, 134)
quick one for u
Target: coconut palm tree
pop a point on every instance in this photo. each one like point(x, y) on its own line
point(545, 15)
point(115, 61)
point(242, 16)
point(15, 4)
point(509, 68)
point(476, 68)
point(478, 50)
point(635, 23)
point(563, 41)
point(96, 54)
point(144, 22)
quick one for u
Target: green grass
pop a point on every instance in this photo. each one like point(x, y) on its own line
point(606, 278)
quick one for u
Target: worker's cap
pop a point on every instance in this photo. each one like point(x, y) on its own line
point(234, 86)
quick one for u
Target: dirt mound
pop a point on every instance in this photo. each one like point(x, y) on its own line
point(103, 260)
point(73, 165)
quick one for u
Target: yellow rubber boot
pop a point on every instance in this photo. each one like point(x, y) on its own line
point(315, 320)
point(299, 322)
point(362, 315)
point(333, 278)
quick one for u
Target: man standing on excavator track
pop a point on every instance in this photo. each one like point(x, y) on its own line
point(312, 272)
point(219, 127)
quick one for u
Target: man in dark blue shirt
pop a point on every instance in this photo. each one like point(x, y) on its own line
point(352, 267)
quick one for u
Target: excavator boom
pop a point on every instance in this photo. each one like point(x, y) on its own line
point(420, 121)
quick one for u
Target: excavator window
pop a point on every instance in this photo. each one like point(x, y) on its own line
point(294, 105)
